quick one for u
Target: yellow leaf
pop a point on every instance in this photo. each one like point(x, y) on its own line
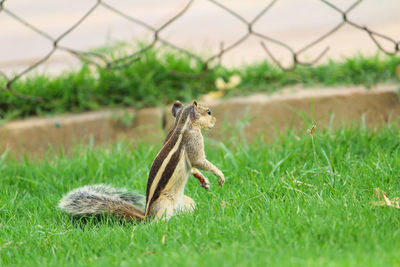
point(220, 84)
point(212, 96)
point(234, 81)
point(387, 200)
point(223, 204)
point(395, 202)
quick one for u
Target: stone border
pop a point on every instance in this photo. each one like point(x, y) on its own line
point(38, 135)
point(262, 114)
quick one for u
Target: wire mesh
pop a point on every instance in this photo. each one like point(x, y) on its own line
point(101, 60)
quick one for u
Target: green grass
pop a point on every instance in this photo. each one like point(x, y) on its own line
point(156, 79)
point(269, 218)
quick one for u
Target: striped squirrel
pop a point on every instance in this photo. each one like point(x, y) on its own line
point(181, 154)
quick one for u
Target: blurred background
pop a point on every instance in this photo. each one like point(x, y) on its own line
point(68, 57)
point(28, 28)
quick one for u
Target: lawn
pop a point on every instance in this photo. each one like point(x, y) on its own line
point(296, 201)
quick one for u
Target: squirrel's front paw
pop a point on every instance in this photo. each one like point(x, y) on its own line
point(205, 183)
point(203, 180)
point(221, 179)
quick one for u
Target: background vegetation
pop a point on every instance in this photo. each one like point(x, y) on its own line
point(160, 77)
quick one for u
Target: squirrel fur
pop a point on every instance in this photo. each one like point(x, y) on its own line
point(182, 154)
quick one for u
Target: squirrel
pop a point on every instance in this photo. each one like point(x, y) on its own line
point(182, 154)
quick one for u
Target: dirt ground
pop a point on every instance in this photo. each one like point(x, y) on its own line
point(202, 28)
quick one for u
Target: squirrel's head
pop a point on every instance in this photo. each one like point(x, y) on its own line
point(199, 115)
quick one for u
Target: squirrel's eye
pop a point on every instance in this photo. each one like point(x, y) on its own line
point(208, 111)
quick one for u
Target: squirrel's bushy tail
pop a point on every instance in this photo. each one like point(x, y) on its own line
point(98, 199)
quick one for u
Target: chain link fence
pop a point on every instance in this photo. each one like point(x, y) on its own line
point(102, 60)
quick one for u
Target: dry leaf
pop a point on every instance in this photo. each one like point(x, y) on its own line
point(234, 81)
point(163, 239)
point(220, 83)
point(223, 204)
point(212, 96)
point(384, 200)
point(302, 183)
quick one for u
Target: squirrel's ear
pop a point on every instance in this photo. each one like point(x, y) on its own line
point(176, 107)
point(194, 103)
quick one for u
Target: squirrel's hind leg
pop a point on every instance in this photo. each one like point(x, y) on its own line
point(163, 210)
point(189, 204)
